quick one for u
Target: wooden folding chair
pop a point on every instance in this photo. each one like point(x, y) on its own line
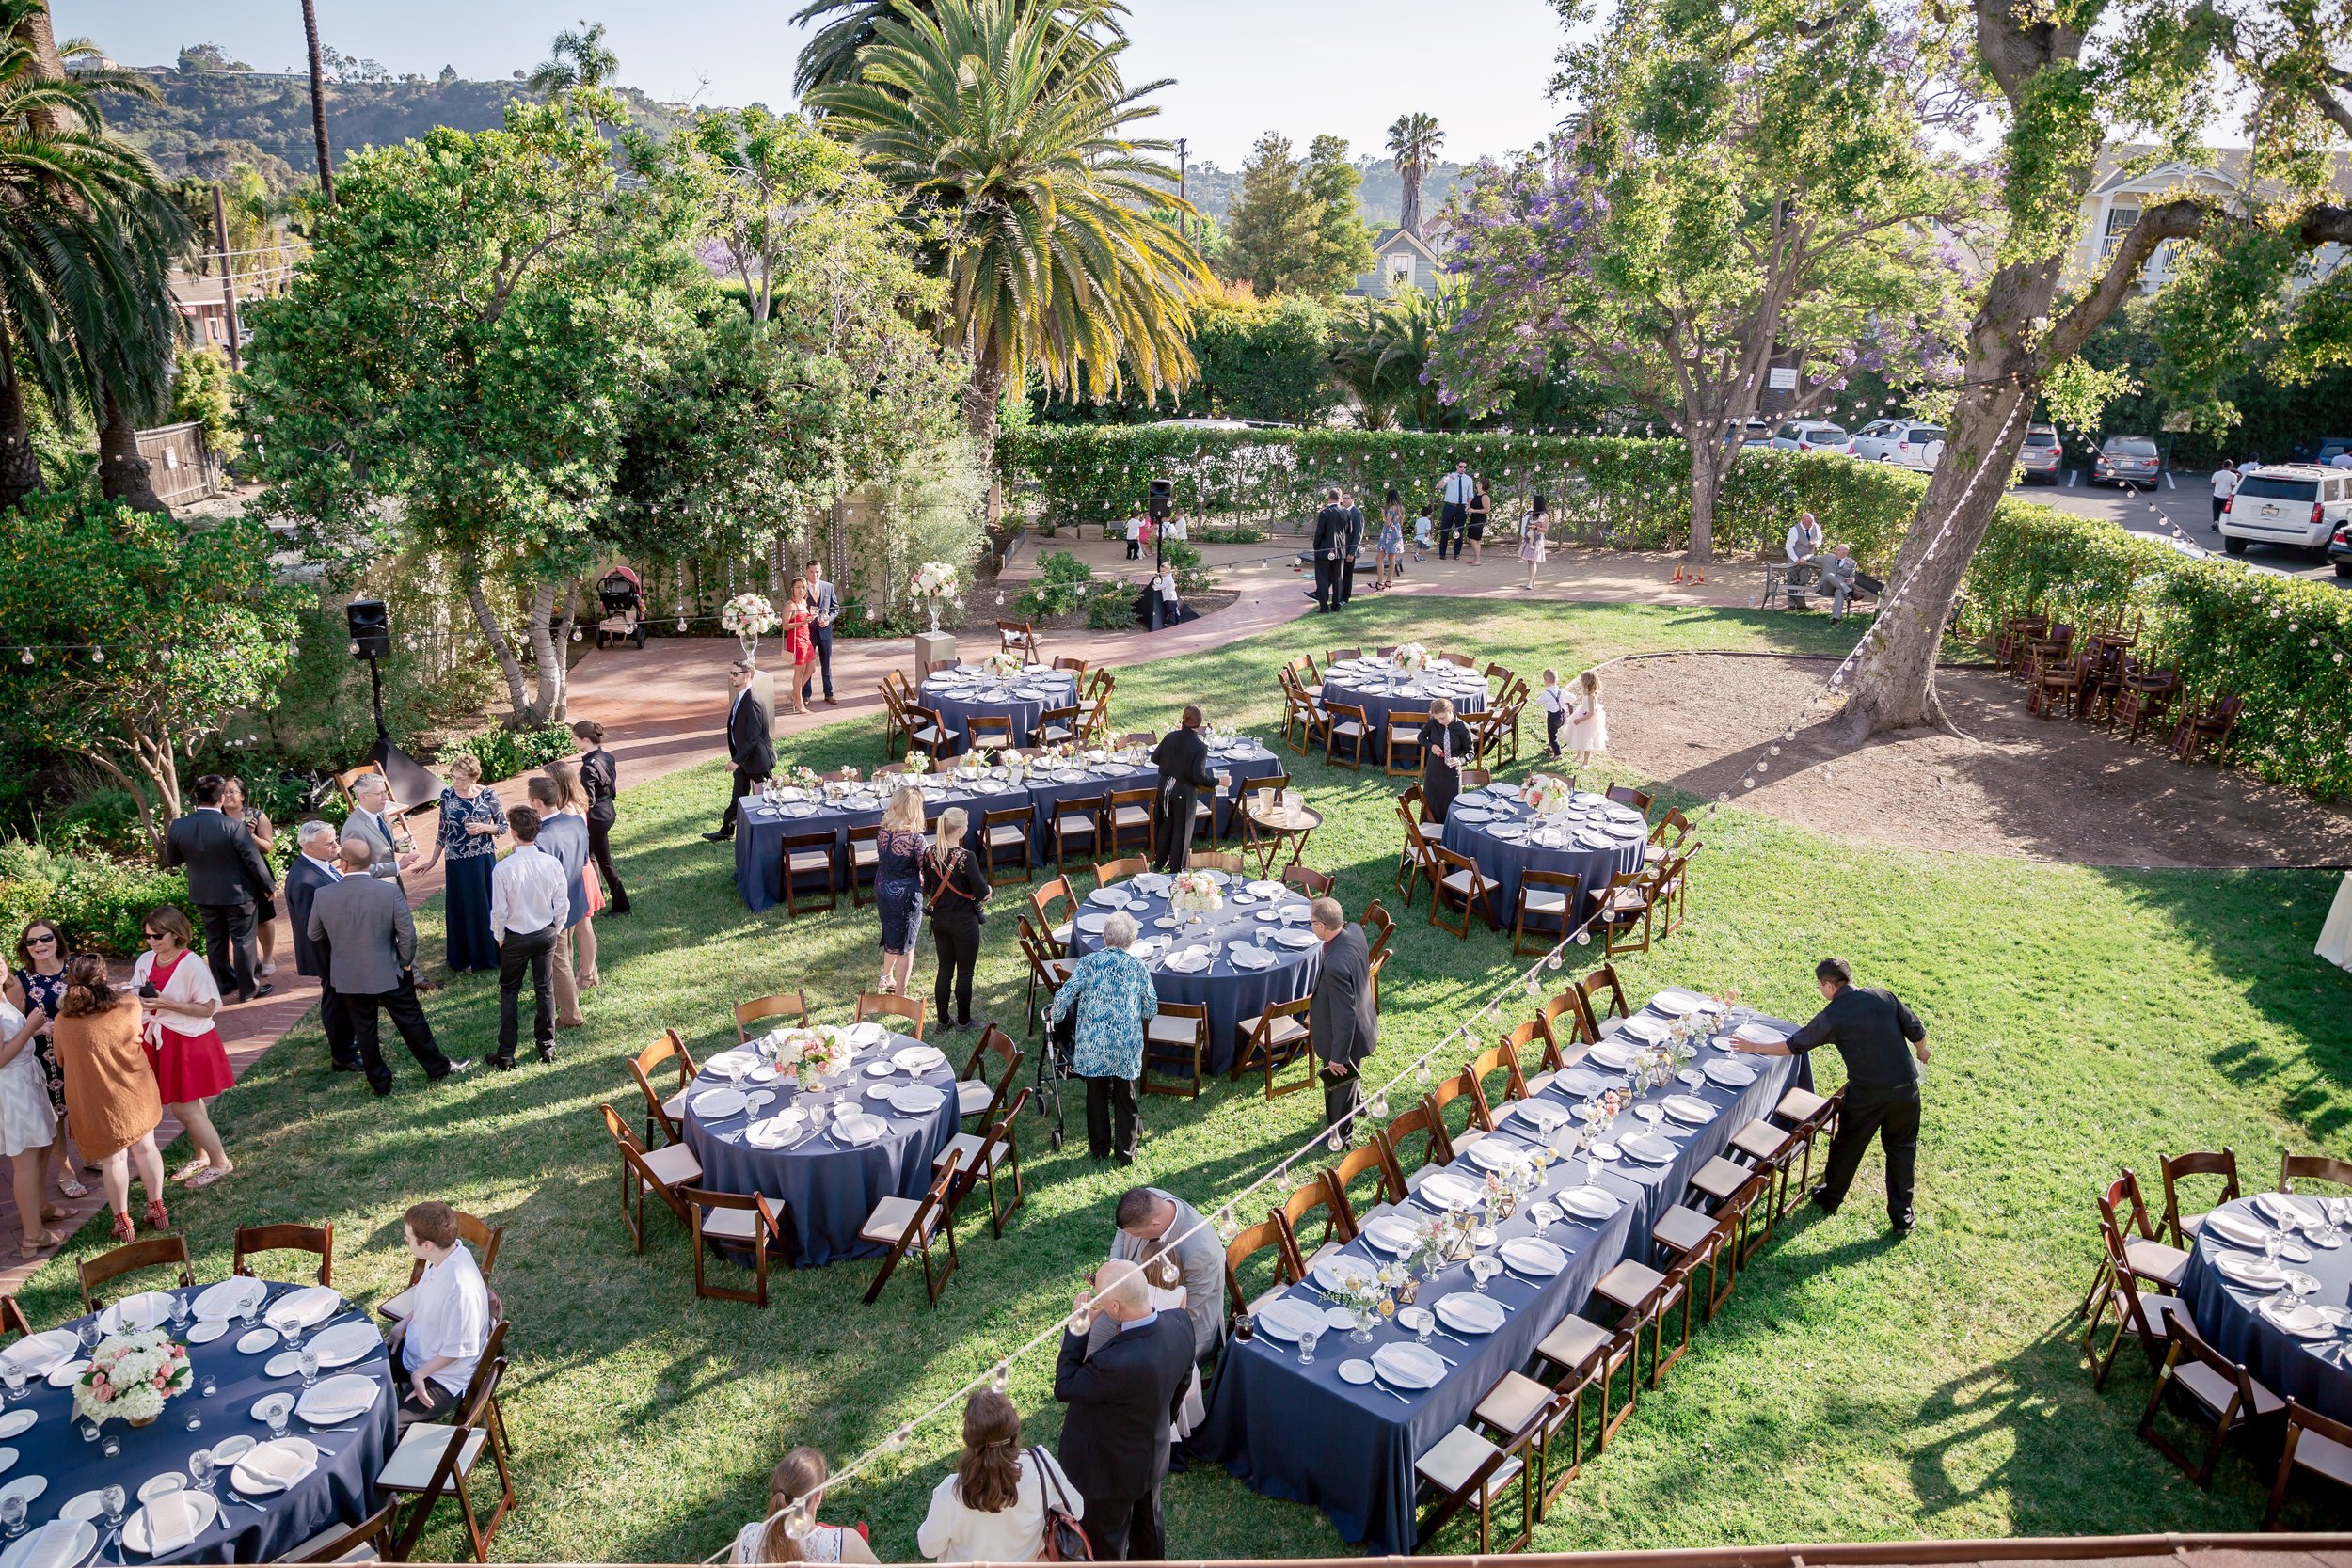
point(1768, 1148)
point(1806, 1115)
point(1176, 1049)
point(1095, 728)
point(1133, 816)
point(368, 1540)
point(928, 733)
point(1623, 916)
point(2215, 1391)
point(758, 1016)
point(900, 1223)
point(1476, 1121)
point(1315, 884)
point(1052, 925)
point(1626, 795)
point(975, 1096)
point(2145, 1319)
point(2317, 1443)
point(1077, 827)
point(1309, 1196)
point(2155, 1264)
point(738, 1220)
point(1685, 1235)
point(1545, 908)
point(806, 858)
point(1047, 973)
point(1145, 738)
point(1588, 1356)
point(983, 1155)
point(315, 1239)
point(1565, 1034)
point(1075, 666)
point(1005, 849)
point(12, 1319)
point(1421, 1119)
point(1273, 1041)
point(1502, 1057)
point(1017, 636)
point(1345, 727)
point(1458, 882)
point(1265, 1236)
point(661, 1171)
point(1528, 1044)
point(1121, 869)
point(1464, 1470)
point(2180, 1228)
point(433, 1461)
point(149, 1252)
point(1403, 741)
point(879, 1004)
point(2312, 1168)
point(1057, 726)
point(1590, 988)
point(1216, 859)
point(1733, 1189)
point(1671, 887)
point(1373, 1155)
point(667, 1113)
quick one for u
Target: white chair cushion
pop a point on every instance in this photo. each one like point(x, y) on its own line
point(1431, 832)
point(1286, 1029)
point(1005, 832)
point(1456, 1458)
point(862, 853)
point(1463, 882)
point(411, 1468)
point(731, 1225)
point(1171, 1031)
point(1128, 816)
point(1510, 1404)
point(675, 1107)
point(810, 860)
point(675, 1164)
point(968, 1144)
point(1061, 934)
point(890, 1219)
point(973, 1096)
point(1347, 727)
point(1074, 824)
point(1543, 901)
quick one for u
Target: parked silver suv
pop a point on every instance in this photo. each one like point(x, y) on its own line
point(2299, 505)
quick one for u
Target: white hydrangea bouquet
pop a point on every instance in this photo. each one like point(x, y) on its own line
point(1002, 666)
point(748, 616)
point(934, 583)
point(1410, 658)
point(813, 1054)
point(130, 1375)
point(1548, 794)
point(1195, 892)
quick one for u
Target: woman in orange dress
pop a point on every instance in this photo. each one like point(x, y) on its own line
point(109, 1089)
point(191, 1064)
point(798, 615)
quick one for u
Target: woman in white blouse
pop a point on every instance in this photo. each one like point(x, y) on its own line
point(992, 1508)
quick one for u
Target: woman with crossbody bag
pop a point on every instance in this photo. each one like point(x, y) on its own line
point(953, 892)
point(1004, 1503)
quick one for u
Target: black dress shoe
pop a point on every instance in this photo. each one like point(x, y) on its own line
point(348, 1067)
point(264, 989)
point(503, 1063)
point(717, 837)
point(382, 1090)
point(1902, 1225)
point(546, 1053)
point(1818, 1202)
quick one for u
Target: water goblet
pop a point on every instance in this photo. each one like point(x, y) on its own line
point(308, 1362)
point(14, 1377)
point(201, 1469)
point(1424, 1323)
point(1308, 1338)
point(180, 1311)
point(12, 1515)
point(112, 1499)
point(1482, 1269)
point(278, 1411)
point(88, 1335)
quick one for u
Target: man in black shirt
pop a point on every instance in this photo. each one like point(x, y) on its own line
point(1878, 1037)
point(1329, 543)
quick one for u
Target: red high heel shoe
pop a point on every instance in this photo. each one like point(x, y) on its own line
point(122, 1227)
point(158, 1218)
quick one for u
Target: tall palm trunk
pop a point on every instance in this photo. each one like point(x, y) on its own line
point(983, 396)
point(318, 101)
point(19, 471)
point(122, 471)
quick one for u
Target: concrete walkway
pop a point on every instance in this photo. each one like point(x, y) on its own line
point(664, 709)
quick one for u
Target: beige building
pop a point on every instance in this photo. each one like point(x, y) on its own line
point(2126, 183)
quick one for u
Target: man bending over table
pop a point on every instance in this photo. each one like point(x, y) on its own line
point(448, 1323)
point(1878, 1037)
point(1151, 1223)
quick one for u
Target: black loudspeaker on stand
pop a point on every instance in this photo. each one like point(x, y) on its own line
point(1158, 502)
point(413, 784)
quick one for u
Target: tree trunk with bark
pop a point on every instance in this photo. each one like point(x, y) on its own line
point(547, 630)
point(502, 649)
point(318, 101)
point(20, 469)
point(1708, 462)
point(123, 474)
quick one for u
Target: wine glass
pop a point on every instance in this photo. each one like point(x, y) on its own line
point(112, 1499)
point(279, 1410)
point(14, 1377)
point(200, 1469)
point(1482, 1269)
point(180, 1311)
point(308, 1362)
point(88, 1334)
point(12, 1515)
point(1310, 1335)
point(1424, 1324)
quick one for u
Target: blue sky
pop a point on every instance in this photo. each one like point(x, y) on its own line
point(1299, 67)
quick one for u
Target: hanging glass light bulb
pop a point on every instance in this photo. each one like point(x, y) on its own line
point(25, 658)
point(1421, 1071)
point(98, 656)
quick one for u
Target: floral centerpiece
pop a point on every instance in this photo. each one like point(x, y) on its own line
point(1548, 794)
point(747, 615)
point(1410, 658)
point(1002, 666)
point(1371, 1296)
point(934, 583)
point(814, 1053)
point(917, 763)
point(805, 778)
point(1195, 894)
point(130, 1375)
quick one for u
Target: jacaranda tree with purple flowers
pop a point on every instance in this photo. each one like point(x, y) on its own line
point(1720, 202)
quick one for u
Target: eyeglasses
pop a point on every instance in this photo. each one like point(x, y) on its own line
point(41, 941)
point(153, 936)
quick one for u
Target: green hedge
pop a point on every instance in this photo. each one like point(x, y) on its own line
point(503, 753)
point(100, 902)
point(2281, 643)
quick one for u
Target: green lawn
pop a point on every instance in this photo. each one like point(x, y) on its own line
point(1853, 1388)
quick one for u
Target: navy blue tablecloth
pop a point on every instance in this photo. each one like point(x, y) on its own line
point(1301, 1434)
point(2316, 1372)
point(1231, 993)
point(828, 1189)
point(341, 1491)
point(1378, 699)
point(994, 701)
point(1505, 859)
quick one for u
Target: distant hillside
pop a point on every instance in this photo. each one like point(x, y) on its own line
point(209, 120)
point(1380, 199)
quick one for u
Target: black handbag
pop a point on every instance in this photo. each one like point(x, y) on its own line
point(1065, 1539)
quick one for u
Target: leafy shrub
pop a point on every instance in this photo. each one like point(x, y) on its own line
point(98, 900)
point(1230, 533)
point(1059, 587)
point(503, 753)
point(858, 619)
point(104, 822)
point(1191, 577)
point(1110, 607)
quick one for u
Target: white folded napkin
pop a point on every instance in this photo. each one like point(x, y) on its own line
point(313, 1304)
point(219, 1303)
point(275, 1465)
point(338, 1398)
point(57, 1545)
point(172, 1521)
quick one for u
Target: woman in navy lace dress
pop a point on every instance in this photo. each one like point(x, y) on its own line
point(899, 885)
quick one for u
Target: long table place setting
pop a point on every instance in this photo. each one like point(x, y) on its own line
point(962, 692)
point(1211, 938)
point(828, 1120)
point(2269, 1285)
point(1382, 686)
point(1340, 1384)
point(1510, 830)
point(230, 1423)
point(1042, 780)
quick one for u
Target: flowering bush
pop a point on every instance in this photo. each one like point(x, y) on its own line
point(1195, 892)
point(748, 615)
point(1411, 658)
point(130, 1375)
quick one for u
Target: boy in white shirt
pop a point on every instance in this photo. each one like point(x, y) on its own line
point(438, 1344)
point(1420, 535)
point(1134, 536)
point(1555, 703)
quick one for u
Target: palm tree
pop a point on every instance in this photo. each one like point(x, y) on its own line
point(994, 117)
point(318, 101)
point(88, 231)
point(1383, 362)
point(845, 26)
point(578, 59)
point(1413, 143)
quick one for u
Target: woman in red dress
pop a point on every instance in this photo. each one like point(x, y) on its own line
point(190, 1063)
point(798, 615)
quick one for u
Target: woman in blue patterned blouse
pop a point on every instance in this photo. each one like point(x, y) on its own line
point(1112, 991)
point(471, 823)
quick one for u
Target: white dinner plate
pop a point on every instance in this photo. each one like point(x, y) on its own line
point(878, 1070)
point(313, 1304)
point(1290, 937)
point(1609, 1054)
point(206, 1509)
point(345, 1343)
point(229, 1298)
point(1448, 1191)
point(1591, 1203)
point(919, 1059)
point(1648, 1148)
point(713, 1103)
point(83, 1505)
point(1286, 1319)
point(1543, 1113)
point(26, 1487)
point(204, 1331)
point(1497, 1152)
point(249, 1477)
point(1110, 897)
point(916, 1099)
point(1533, 1256)
point(1092, 922)
point(157, 1485)
point(146, 1309)
point(83, 1541)
point(1730, 1074)
point(1340, 1270)
point(255, 1342)
point(2286, 1210)
point(857, 1129)
point(16, 1421)
point(63, 1377)
point(1651, 1030)
point(1408, 1366)
point(1577, 1080)
point(2236, 1230)
point(1689, 1109)
point(1246, 957)
point(2257, 1274)
point(1388, 1233)
point(1467, 1313)
point(1192, 960)
point(338, 1399)
point(1760, 1033)
point(862, 1036)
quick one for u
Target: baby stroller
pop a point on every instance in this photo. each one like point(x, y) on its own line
point(623, 599)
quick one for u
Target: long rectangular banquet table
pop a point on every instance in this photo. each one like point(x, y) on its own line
point(760, 840)
point(1302, 1434)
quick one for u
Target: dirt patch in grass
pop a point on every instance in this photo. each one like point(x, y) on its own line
point(2017, 784)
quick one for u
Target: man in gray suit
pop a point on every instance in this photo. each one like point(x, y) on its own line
point(1151, 1222)
point(827, 604)
point(1341, 1021)
point(372, 954)
point(370, 799)
point(566, 838)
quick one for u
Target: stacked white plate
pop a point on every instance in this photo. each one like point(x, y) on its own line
point(919, 1058)
point(146, 1309)
point(1591, 1203)
point(1648, 1148)
point(1292, 937)
point(1339, 1270)
point(1644, 1028)
point(1092, 922)
point(1760, 1033)
point(856, 1128)
point(1110, 897)
point(1532, 1256)
point(333, 1401)
point(1609, 1054)
point(1467, 1313)
point(1544, 1114)
point(859, 1036)
point(779, 1130)
point(1676, 1002)
point(1391, 1235)
point(313, 1304)
point(60, 1543)
point(1730, 1074)
point(1408, 1366)
point(2286, 1210)
point(170, 1521)
point(271, 1467)
point(42, 1351)
point(1689, 1109)
point(1577, 1080)
point(345, 1343)
point(1192, 960)
point(1246, 956)
point(916, 1099)
point(1448, 1191)
point(1498, 1154)
point(2302, 1320)
point(1286, 1319)
point(713, 1103)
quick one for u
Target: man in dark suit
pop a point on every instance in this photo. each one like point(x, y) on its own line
point(826, 603)
point(1123, 1394)
point(372, 951)
point(313, 869)
point(1342, 1023)
point(227, 875)
point(1348, 548)
point(1183, 760)
point(1330, 540)
point(751, 743)
point(1878, 1036)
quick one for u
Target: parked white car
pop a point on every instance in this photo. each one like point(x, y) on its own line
point(1905, 443)
point(2299, 505)
point(1813, 435)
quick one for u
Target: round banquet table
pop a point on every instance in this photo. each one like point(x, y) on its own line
point(1506, 858)
point(829, 1188)
point(1228, 992)
point(1379, 690)
point(1021, 700)
point(2316, 1372)
point(340, 1491)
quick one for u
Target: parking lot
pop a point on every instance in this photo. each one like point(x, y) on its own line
point(2182, 502)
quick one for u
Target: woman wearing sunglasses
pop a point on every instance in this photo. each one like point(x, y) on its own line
point(191, 1064)
point(36, 986)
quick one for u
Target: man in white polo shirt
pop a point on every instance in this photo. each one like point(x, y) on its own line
point(448, 1323)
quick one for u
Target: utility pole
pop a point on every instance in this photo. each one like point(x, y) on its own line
point(318, 101)
point(228, 277)
point(1183, 225)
